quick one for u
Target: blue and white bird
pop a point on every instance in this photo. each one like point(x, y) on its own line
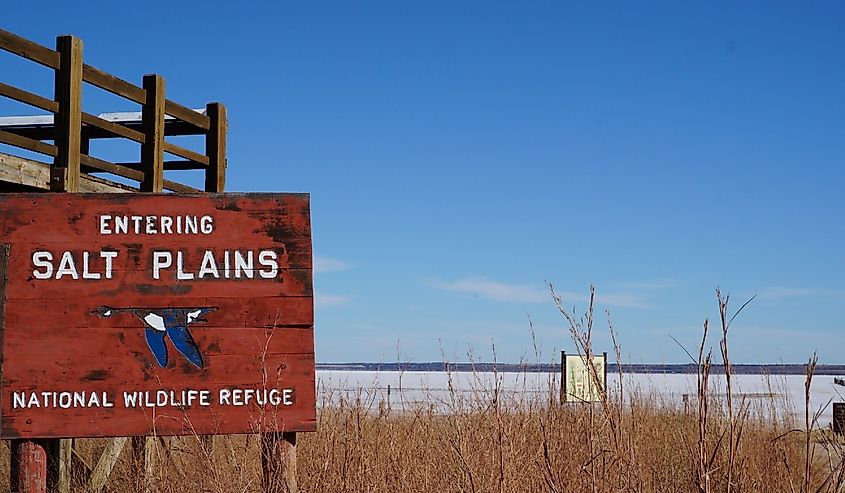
point(166, 322)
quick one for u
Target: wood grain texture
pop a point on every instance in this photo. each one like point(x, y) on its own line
point(77, 335)
point(215, 148)
point(35, 174)
point(152, 150)
point(28, 49)
point(68, 120)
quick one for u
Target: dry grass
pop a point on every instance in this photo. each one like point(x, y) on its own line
point(490, 440)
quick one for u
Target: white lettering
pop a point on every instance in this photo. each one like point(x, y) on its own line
point(86, 274)
point(108, 256)
point(167, 225)
point(42, 260)
point(67, 267)
point(242, 264)
point(182, 276)
point(104, 225)
point(209, 265)
point(267, 258)
point(206, 225)
point(161, 260)
point(121, 225)
point(151, 225)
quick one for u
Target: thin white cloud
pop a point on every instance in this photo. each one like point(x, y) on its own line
point(624, 300)
point(327, 264)
point(324, 300)
point(497, 291)
point(523, 293)
point(781, 293)
point(648, 285)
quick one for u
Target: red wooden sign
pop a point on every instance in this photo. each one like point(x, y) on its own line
point(133, 314)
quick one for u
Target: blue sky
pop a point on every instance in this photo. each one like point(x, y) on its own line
point(461, 155)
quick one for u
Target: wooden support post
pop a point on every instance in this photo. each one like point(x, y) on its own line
point(29, 466)
point(68, 122)
point(278, 461)
point(604, 391)
point(215, 148)
point(562, 377)
point(65, 462)
point(105, 465)
point(144, 459)
point(152, 124)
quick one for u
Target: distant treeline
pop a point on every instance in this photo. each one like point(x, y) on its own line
point(743, 369)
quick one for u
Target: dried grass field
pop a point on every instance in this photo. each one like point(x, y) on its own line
point(494, 438)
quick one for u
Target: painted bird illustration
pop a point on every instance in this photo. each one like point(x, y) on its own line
point(166, 322)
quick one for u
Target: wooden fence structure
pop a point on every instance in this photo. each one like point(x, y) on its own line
point(66, 139)
point(72, 129)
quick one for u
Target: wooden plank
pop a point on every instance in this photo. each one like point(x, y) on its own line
point(104, 466)
point(5, 250)
point(68, 119)
point(185, 153)
point(36, 174)
point(152, 151)
point(65, 465)
point(175, 164)
point(215, 148)
point(27, 143)
point(177, 187)
point(256, 319)
point(113, 128)
point(106, 166)
point(186, 114)
point(244, 363)
point(28, 49)
point(27, 97)
point(113, 84)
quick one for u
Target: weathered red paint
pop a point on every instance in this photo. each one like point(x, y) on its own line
point(259, 335)
point(29, 466)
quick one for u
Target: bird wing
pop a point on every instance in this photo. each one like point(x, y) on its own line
point(155, 339)
point(184, 343)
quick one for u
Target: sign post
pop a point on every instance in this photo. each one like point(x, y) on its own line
point(140, 315)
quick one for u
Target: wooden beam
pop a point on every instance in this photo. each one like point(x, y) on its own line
point(29, 98)
point(69, 116)
point(113, 128)
point(174, 186)
point(215, 148)
point(35, 174)
point(171, 127)
point(65, 464)
point(104, 466)
point(178, 164)
point(152, 150)
point(185, 153)
point(186, 114)
point(28, 49)
point(113, 84)
point(27, 143)
point(132, 174)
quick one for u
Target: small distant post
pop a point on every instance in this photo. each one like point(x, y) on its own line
point(839, 418)
point(562, 377)
point(604, 390)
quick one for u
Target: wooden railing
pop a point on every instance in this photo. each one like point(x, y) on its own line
point(73, 129)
